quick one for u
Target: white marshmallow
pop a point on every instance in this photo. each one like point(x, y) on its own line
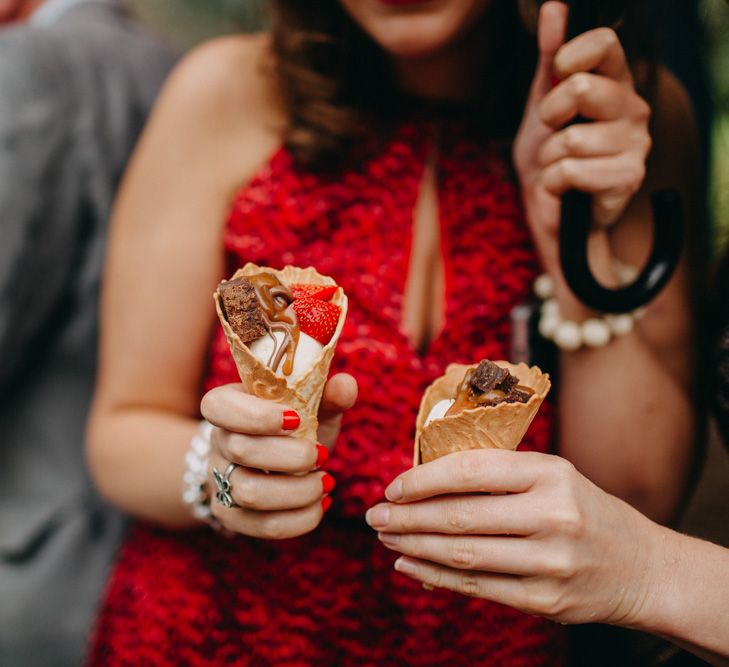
point(308, 352)
point(438, 410)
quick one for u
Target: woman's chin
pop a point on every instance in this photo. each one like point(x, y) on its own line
point(401, 42)
point(415, 30)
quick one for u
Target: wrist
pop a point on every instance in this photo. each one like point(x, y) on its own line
point(660, 597)
point(631, 557)
point(195, 490)
point(689, 593)
point(607, 269)
point(571, 308)
point(571, 325)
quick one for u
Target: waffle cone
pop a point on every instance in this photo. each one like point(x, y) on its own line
point(258, 379)
point(499, 427)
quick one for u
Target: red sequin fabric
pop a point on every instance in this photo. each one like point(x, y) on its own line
point(332, 598)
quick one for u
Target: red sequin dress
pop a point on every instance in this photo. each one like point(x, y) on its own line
point(332, 598)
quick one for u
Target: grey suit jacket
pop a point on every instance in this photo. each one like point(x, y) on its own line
point(73, 98)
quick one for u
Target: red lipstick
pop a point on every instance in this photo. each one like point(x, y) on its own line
point(403, 3)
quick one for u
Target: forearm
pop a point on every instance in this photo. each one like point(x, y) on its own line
point(137, 460)
point(688, 600)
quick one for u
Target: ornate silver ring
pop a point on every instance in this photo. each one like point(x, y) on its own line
point(222, 482)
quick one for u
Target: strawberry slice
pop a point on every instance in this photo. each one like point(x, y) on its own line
point(317, 319)
point(320, 292)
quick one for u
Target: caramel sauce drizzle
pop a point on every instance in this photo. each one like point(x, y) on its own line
point(467, 397)
point(279, 316)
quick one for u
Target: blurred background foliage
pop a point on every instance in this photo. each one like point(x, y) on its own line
point(187, 22)
point(716, 19)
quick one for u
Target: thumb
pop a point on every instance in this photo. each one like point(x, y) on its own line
point(340, 394)
point(551, 36)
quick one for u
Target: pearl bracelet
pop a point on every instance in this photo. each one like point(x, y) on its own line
point(194, 480)
point(594, 332)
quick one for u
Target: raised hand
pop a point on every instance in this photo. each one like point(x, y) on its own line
point(589, 77)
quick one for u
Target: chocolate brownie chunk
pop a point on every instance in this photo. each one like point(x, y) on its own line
point(489, 376)
point(517, 396)
point(242, 310)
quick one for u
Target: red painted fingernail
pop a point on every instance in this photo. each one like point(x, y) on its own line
point(326, 503)
point(327, 483)
point(322, 455)
point(291, 420)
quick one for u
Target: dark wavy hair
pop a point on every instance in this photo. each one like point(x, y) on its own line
point(339, 87)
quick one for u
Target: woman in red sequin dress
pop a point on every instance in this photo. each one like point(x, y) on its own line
point(373, 140)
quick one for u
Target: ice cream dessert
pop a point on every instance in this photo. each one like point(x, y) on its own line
point(282, 328)
point(488, 405)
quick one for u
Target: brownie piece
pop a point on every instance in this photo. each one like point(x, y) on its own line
point(489, 376)
point(242, 309)
point(517, 396)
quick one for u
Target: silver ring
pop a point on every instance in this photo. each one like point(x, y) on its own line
point(222, 482)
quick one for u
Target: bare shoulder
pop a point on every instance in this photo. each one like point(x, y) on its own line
point(674, 125)
point(222, 96)
point(229, 75)
point(675, 161)
point(672, 99)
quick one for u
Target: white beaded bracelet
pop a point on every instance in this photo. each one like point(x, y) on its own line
point(194, 480)
point(593, 332)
